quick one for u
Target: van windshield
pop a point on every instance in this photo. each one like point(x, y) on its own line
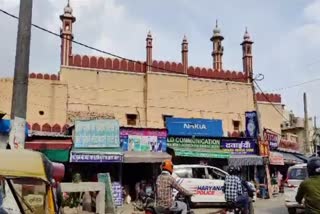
point(297, 174)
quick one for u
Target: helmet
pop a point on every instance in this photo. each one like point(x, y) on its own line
point(234, 170)
point(167, 165)
point(314, 166)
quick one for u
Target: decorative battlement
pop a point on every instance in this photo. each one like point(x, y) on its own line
point(266, 97)
point(47, 127)
point(44, 76)
point(157, 66)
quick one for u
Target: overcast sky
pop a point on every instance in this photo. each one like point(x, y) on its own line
point(286, 35)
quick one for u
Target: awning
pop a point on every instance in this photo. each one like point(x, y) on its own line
point(96, 156)
point(145, 157)
point(245, 160)
point(291, 158)
point(55, 150)
point(63, 144)
point(200, 153)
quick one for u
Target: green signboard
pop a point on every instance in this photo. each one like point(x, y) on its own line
point(201, 154)
point(203, 143)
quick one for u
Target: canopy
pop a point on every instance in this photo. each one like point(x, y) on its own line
point(22, 163)
point(199, 153)
point(55, 150)
point(291, 158)
point(145, 157)
point(245, 160)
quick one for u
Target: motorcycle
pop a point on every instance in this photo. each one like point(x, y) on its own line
point(235, 208)
point(152, 209)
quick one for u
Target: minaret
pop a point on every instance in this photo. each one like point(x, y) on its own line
point(247, 55)
point(66, 34)
point(184, 51)
point(217, 48)
point(149, 51)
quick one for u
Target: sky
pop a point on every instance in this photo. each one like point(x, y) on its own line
point(286, 37)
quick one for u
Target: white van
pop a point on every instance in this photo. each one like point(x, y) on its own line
point(295, 175)
point(206, 181)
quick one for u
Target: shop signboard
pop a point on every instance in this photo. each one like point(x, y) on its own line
point(194, 127)
point(239, 146)
point(252, 126)
point(276, 158)
point(97, 134)
point(272, 138)
point(198, 143)
point(264, 148)
point(143, 140)
point(87, 157)
point(288, 146)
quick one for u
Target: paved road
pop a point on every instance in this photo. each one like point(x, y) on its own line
point(268, 206)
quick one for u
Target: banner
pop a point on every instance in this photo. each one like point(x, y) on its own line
point(264, 148)
point(239, 146)
point(117, 194)
point(289, 146)
point(194, 127)
point(252, 127)
point(97, 134)
point(272, 138)
point(185, 142)
point(143, 140)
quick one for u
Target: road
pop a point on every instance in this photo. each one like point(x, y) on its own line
point(267, 206)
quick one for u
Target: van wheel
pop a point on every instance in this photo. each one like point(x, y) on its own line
point(292, 211)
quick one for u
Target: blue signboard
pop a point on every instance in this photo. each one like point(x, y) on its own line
point(252, 127)
point(239, 146)
point(97, 134)
point(194, 127)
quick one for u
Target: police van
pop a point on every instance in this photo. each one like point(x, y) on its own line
point(206, 182)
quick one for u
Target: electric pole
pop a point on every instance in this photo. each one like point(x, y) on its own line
point(306, 125)
point(266, 164)
point(21, 74)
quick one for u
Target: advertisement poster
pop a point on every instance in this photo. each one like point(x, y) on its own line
point(143, 140)
point(117, 194)
point(97, 134)
point(252, 127)
point(185, 142)
point(272, 138)
point(239, 146)
point(194, 127)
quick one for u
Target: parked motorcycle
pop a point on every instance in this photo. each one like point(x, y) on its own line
point(160, 210)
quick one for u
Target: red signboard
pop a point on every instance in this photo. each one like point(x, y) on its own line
point(288, 145)
point(276, 158)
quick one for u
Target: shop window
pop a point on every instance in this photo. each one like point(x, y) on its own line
point(236, 125)
point(199, 173)
point(164, 117)
point(131, 119)
point(215, 174)
point(183, 172)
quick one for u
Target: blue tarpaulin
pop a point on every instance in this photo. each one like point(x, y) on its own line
point(5, 127)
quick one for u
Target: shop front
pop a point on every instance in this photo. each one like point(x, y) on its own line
point(96, 149)
point(243, 154)
point(144, 150)
point(194, 141)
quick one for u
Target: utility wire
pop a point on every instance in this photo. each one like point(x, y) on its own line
point(96, 49)
point(263, 94)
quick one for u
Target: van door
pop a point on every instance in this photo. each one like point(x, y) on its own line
point(215, 184)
